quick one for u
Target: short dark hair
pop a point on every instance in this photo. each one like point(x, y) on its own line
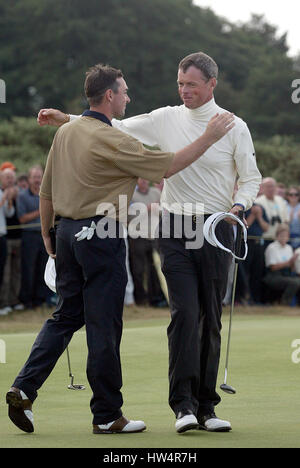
point(203, 62)
point(99, 79)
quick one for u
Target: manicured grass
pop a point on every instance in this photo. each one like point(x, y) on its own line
point(265, 412)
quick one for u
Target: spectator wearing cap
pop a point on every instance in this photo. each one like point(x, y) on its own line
point(33, 291)
point(7, 165)
point(6, 210)
point(9, 292)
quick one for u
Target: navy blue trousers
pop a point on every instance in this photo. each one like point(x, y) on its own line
point(91, 282)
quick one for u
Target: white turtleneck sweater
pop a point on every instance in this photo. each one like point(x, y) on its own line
point(211, 179)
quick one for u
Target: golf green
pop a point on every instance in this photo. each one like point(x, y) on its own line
point(265, 412)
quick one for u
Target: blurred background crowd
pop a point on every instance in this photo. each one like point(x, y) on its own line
point(270, 273)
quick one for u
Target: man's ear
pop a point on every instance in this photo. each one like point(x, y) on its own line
point(109, 95)
point(214, 83)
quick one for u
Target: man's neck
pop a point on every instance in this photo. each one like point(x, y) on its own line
point(103, 109)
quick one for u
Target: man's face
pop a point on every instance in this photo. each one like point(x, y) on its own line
point(120, 99)
point(8, 178)
point(143, 185)
point(35, 179)
point(269, 189)
point(194, 88)
point(283, 237)
point(23, 184)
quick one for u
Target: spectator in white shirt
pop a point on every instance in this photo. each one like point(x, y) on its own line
point(280, 260)
point(275, 208)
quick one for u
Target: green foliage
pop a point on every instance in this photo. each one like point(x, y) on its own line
point(279, 157)
point(47, 45)
point(24, 143)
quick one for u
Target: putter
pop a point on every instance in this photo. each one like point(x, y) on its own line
point(73, 386)
point(225, 387)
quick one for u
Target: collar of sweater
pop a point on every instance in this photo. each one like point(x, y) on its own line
point(205, 112)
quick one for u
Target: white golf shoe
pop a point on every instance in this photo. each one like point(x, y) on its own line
point(119, 426)
point(212, 423)
point(186, 421)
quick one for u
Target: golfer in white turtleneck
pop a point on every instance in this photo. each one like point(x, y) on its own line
point(197, 278)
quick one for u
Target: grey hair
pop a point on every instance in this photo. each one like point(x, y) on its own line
point(203, 62)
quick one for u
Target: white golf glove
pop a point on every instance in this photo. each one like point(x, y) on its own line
point(86, 232)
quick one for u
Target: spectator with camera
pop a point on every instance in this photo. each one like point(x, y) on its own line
point(275, 208)
point(254, 264)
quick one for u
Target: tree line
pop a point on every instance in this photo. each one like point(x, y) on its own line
point(47, 45)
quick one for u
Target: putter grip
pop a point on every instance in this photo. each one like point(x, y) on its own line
point(238, 243)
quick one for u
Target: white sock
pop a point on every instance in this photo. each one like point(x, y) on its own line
point(23, 395)
point(28, 413)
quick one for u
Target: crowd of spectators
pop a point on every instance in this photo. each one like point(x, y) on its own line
point(271, 271)
point(273, 262)
point(22, 254)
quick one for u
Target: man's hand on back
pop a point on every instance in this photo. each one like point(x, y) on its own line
point(52, 117)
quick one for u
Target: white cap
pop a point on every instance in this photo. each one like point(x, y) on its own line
point(50, 274)
point(210, 227)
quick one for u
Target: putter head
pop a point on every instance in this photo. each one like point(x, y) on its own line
point(228, 389)
point(73, 386)
point(76, 387)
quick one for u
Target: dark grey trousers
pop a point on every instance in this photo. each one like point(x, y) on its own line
point(196, 280)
